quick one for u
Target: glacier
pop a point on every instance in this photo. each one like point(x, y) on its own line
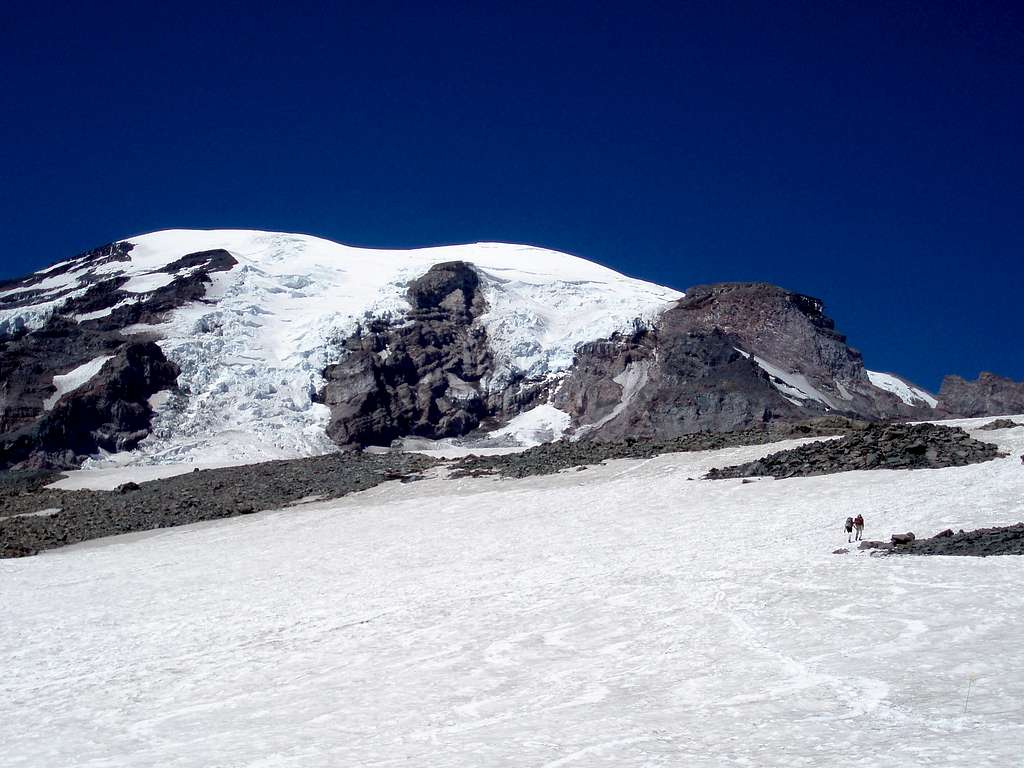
point(253, 350)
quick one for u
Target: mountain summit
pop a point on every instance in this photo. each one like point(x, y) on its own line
point(238, 346)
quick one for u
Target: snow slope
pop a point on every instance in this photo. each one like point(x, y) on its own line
point(623, 616)
point(905, 392)
point(251, 361)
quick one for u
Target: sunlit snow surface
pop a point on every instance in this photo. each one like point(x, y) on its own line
point(621, 616)
point(252, 354)
point(905, 392)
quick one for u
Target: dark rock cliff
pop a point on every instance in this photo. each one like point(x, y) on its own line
point(660, 383)
point(990, 395)
point(421, 376)
point(695, 370)
point(111, 412)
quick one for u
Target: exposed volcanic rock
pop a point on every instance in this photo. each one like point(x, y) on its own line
point(788, 328)
point(727, 356)
point(84, 324)
point(1004, 540)
point(879, 446)
point(990, 395)
point(29, 362)
point(192, 276)
point(30, 288)
point(553, 457)
point(791, 332)
point(111, 412)
point(33, 519)
point(983, 542)
point(661, 383)
point(1001, 424)
point(422, 376)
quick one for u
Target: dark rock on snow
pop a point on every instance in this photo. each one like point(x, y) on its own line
point(983, 542)
point(189, 498)
point(1001, 424)
point(888, 446)
point(687, 373)
point(111, 412)
point(549, 458)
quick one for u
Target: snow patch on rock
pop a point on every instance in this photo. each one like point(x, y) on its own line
point(75, 379)
point(907, 393)
point(793, 385)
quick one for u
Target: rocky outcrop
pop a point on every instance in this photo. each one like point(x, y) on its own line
point(29, 362)
point(879, 446)
point(424, 375)
point(992, 426)
point(29, 290)
point(982, 542)
point(789, 333)
point(662, 383)
point(727, 356)
point(990, 395)
point(111, 412)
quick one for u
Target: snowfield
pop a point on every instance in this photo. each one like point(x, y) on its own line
point(625, 615)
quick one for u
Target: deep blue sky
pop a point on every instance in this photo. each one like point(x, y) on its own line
point(872, 156)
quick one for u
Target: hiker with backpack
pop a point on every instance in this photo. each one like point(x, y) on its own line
point(858, 523)
point(849, 530)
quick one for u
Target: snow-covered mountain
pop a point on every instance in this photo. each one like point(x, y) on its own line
point(229, 346)
point(252, 348)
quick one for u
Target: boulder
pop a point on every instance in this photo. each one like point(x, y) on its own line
point(874, 545)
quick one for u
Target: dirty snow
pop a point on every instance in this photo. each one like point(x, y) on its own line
point(540, 424)
point(622, 616)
